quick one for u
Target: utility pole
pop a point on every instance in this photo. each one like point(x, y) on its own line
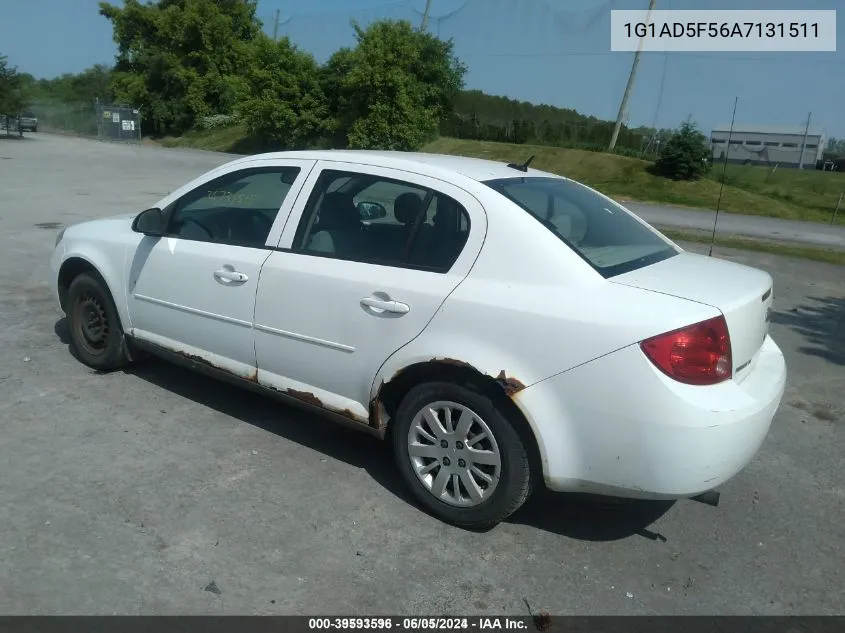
point(804, 142)
point(425, 15)
point(623, 107)
point(276, 26)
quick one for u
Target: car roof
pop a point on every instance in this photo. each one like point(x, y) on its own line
point(477, 169)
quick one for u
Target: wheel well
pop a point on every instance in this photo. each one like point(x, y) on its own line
point(499, 390)
point(70, 270)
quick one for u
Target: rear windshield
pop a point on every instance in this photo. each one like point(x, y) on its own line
point(600, 231)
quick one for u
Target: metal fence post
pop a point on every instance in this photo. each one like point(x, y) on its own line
point(836, 211)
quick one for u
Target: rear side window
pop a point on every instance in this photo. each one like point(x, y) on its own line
point(601, 232)
point(384, 221)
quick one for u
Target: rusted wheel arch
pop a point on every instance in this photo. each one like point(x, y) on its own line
point(500, 390)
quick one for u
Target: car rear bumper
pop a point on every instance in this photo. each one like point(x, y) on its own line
point(619, 426)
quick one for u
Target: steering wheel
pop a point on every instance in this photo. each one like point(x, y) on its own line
point(265, 224)
point(199, 224)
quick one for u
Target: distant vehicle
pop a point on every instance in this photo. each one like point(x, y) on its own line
point(28, 122)
point(501, 326)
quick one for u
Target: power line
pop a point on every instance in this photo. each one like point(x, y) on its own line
point(676, 55)
point(318, 14)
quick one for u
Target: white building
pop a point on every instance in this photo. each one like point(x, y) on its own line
point(768, 145)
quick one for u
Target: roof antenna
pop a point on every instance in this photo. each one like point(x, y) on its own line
point(523, 167)
point(724, 172)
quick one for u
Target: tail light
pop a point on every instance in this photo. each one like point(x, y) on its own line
point(699, 354)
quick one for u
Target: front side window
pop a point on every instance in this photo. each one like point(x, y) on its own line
point(378, 220)
point(598, 230)
point(238, 208)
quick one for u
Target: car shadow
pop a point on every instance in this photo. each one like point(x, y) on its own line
point(580, 517)
point(821, 321)
point(62, 330)
point(592, 518)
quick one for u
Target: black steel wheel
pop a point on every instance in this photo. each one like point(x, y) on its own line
point(94, 324)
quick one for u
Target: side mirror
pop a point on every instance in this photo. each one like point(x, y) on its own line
point(150, 222)
point(371, 211)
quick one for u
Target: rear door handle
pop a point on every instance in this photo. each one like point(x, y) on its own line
point(230, 275)
point(379, 305)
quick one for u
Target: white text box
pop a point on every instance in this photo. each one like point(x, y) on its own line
point(723, 31)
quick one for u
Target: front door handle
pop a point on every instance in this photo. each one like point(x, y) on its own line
point(380, 305)
point(230, 275)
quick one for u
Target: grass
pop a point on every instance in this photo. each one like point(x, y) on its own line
point(227, 139)
point(826, 255)
point(808, 188)
point(793, 194)
point(789, 193)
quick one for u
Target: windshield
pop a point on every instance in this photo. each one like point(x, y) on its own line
point(599, 230)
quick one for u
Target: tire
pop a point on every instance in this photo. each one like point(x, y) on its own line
point(495, 500)
point(95, 330)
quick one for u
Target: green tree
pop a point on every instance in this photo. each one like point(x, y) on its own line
point(12, 98)
point(393, 89)
point(836, 146)
point(685, 155)
point(284, 103)
point(180, 60)
point(332, 76)
point(92, 83)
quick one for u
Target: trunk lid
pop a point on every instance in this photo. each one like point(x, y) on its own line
point(742, 294)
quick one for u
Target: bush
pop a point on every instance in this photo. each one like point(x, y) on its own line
point(217, 121)
point(685, 155)
point(284, 105)
point(392, 90)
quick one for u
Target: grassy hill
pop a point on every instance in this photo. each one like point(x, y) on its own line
point(785, 193)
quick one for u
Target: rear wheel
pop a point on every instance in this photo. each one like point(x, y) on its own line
point(459, 454)
point(94, 324)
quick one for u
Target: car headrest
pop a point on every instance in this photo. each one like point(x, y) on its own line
point(407, 207)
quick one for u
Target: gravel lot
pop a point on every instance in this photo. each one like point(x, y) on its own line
point(156, 491)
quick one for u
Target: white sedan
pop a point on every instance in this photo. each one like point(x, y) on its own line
point(498, 325)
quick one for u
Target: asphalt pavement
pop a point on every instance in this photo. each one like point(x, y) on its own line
point(159, 491)
point(754, 226)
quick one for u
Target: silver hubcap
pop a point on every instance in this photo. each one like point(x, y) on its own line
point(454, 454)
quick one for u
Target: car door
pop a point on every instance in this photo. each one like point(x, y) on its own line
point(340, 295)
point(193, 290)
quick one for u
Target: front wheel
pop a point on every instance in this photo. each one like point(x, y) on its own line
point(94, 324)
point(459, 454)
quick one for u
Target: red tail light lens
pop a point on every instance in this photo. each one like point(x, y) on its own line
point(696, 355)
